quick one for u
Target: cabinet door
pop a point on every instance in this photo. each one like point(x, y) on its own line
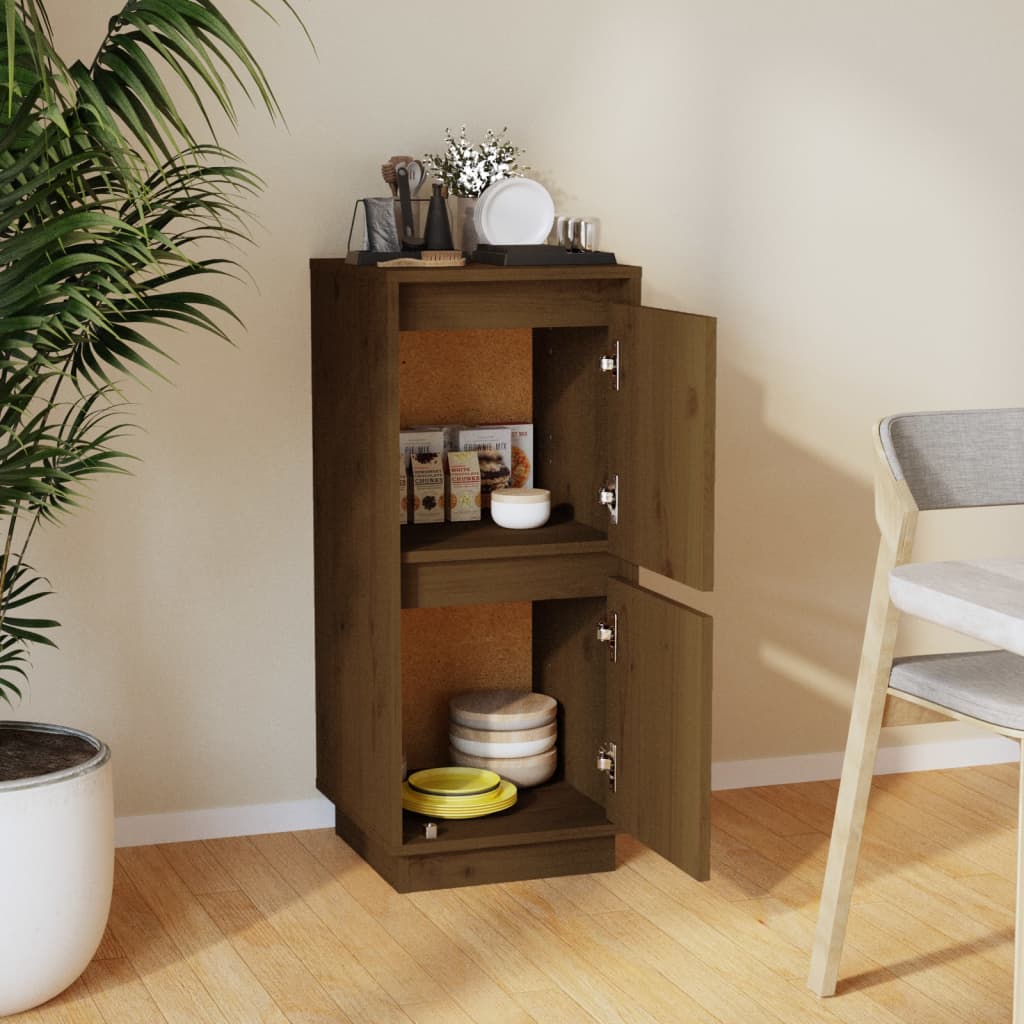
point(659, 718)
point(661, 444)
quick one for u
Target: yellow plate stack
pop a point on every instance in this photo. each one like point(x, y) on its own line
point(457, 793)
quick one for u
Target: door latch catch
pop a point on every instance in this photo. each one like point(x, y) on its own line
point(606, 755)
point(609, 497)
point(607, 633)
point(612, 363)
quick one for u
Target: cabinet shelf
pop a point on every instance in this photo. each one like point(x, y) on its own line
point(481, 563)
point(548, 813)
point(465, 542)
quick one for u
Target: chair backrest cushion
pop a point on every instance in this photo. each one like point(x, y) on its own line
point(958, 459)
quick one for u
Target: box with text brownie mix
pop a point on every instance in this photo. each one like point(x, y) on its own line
point(521, 467)
point(421, 439)
point(493, 446)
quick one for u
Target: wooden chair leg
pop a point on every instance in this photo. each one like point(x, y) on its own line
point(837, 890)
point(855, 784)
point(1018, 933)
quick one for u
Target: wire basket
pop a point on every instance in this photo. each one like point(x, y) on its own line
point(360, 250)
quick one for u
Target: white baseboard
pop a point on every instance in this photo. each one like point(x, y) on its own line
point(221, 822)
point(915, 757)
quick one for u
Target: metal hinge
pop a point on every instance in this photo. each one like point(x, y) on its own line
point(606, 755)
point(607, 633)
point(612, 363)
point(609, 497)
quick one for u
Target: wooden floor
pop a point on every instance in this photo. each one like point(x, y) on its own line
point(295, 927)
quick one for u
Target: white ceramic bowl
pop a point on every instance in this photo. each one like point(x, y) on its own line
point(489, 748)
point(499, 737)
point(521, 508)
point(502, 710)
point(523, 771)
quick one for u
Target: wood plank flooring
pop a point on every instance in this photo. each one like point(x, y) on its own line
point(296, 929)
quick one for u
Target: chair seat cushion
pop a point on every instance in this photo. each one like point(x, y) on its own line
point(988, 685)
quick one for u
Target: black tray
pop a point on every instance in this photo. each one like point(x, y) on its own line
point(537, 256)
point(365, 258)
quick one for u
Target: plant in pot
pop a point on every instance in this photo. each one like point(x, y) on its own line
point(112, 211)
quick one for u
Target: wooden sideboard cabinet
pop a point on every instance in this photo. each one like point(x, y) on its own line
point(622, 398)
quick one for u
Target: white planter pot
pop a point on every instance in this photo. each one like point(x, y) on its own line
point(56, 874)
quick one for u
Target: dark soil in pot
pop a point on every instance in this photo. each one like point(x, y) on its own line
point(28, 751)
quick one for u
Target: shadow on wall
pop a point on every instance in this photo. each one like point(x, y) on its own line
point(796, 545)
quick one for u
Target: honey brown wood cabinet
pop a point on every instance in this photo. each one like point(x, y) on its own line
point(622, 398)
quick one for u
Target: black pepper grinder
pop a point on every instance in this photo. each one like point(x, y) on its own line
point(438, 232)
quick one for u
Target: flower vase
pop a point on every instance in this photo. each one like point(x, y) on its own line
point(464, 229)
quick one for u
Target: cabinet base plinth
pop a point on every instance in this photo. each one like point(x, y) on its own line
point(452, 868)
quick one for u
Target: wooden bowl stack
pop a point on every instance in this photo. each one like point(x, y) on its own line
point(511, 732)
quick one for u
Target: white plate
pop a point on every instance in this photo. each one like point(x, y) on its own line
point(514, 211)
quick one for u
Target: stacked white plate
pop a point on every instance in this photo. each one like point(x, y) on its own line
point(511, 732)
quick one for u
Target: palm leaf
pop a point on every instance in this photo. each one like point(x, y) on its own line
point(21, 587)
point(107, 194)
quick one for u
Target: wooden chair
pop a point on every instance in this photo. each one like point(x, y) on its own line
point(924, 461)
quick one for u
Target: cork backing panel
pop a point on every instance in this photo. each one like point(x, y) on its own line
point(446, 651)
point(469, 377)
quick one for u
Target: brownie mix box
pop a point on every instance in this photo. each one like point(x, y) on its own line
point(449, 435)
point(493, 446)
point(428, 439)
point(522, 454)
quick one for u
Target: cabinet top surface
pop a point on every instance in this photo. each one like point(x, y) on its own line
point(477, 272)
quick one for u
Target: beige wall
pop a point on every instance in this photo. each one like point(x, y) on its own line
point(839, 183)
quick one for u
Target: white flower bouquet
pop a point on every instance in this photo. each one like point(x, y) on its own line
point(466, 170)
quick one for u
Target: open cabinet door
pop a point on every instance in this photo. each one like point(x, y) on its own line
point(661, 445)
point(659, 718)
